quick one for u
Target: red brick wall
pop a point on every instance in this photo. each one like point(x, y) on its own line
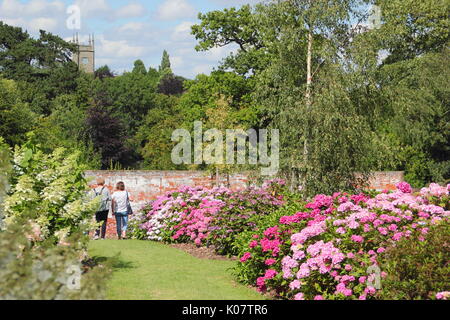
point(386, 180)
point(147, 185)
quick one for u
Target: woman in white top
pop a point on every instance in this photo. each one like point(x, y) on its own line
point(120, 201)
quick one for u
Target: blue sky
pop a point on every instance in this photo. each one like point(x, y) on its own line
point(126, 30)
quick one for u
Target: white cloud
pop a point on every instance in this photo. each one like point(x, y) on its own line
point(231, 3)
point(132, 27)
point(47, 24)
point(11, 8)
point(202, 68)
point(34, 15)
point(93, 8)
point(175, 9)
point(131, 10)
point(118, 49)
point(43, 8)
point(182, 32)
point(102, 9)
point(176, 62)
point(218, 53)
point(33, 8)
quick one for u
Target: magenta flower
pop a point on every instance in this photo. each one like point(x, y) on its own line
point(246, 256)
point(397, 236)
point(253, 244)
point(381, 250)
point(383, 231)
point(270, 262)
point(357, 238)
point(404, 187)
point(270, 274)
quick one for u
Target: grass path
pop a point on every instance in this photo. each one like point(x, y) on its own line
point(147, 270)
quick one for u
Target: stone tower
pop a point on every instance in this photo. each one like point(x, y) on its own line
point(85, 57)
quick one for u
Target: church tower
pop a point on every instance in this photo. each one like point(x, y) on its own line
point(85, 57)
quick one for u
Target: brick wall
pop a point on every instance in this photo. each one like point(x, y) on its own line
point(386, 180)
point(147, 185)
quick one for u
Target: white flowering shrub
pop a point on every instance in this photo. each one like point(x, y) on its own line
point(48, 271)
point(49, 190)
point(5, 170)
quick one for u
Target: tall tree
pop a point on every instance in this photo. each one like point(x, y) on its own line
point(165, 66)
point(16, 118)
point(103, 72)
point(305, 94)
point(25, 58)
point(109, 137)
point(139, 67)
point(235, 27)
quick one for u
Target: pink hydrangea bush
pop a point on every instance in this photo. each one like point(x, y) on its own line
point(327, 252)
point(208, 216)
point(183, 215)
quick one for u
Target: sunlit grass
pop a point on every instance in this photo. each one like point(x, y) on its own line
point(147, 270)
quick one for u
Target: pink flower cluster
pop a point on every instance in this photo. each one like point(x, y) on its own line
point(261, 281)
point(444, 295)
point(194, 214)
point(185, 213)
point(338, 249)
point(403, 187)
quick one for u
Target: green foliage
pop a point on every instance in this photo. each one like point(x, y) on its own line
point(45, 272)
point(417, 269)
point(249, 272)
point(16, 118)
point(412, 28)
point(164, 68)
point(418, 94)
point(67, 127)
point(43, 64)
point(103, 72)
point(139, 67)
point(170, 84)
point(234, 26)
point(33, 268)
point(25, 58)
point(153, 139)
point(130, 97)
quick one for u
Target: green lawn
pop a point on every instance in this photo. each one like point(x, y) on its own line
point(147, 270)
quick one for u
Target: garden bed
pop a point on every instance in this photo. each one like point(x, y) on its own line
point(200, 252)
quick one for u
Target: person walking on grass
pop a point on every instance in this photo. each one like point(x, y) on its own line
point(102, 214)
point(121, 208)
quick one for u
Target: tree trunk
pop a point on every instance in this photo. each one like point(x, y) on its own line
point(308, 101)
point(217, 177)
